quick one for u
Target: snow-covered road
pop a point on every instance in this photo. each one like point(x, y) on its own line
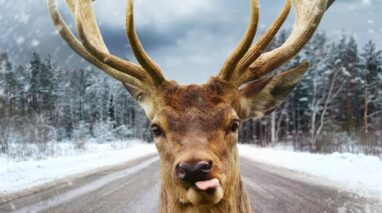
point(25, 177)
point(134, 187)
point(359, 174)
point(350, 172)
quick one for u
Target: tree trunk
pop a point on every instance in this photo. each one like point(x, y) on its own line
point(273, 128)
point(365, 120)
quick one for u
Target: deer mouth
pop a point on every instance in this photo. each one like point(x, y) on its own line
point(207, 184)
point(208, 192)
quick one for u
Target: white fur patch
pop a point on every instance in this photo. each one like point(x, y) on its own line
point(197, 197)
point(148, 107)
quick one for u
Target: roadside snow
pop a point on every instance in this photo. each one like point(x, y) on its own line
point(353, 172)
point(356, 173)
point(24, 175)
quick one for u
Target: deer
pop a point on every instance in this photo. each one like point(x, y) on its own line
point(195, 127)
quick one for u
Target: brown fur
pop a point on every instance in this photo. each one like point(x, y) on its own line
point(196, 120)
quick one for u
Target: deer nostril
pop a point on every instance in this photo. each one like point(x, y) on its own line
point(181, 171)
point(205, 166)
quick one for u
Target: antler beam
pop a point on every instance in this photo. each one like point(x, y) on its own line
point(250, 63)
point(92, 47)
point(308, 16)
point(77, 46)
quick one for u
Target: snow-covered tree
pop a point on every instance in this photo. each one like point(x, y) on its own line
point(371, 65)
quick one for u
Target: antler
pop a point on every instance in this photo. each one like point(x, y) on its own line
point(92, 47)
point(255, 64)
point(147, 63)
point(245, 43)
point(245, 63)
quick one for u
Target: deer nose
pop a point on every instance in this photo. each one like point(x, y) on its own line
point(193, 172)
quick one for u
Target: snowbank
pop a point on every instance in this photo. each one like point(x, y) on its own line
point(357, 173)
point(23, 175)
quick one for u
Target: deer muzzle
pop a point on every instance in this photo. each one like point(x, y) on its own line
point(203, 188)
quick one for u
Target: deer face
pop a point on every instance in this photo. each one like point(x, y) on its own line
point(195, 130)
point(195, 127)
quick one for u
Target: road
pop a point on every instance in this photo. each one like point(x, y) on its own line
point(134, 187)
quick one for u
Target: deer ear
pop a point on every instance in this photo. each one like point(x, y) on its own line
point(134, 91)
point(259, 98)
point(142, 98)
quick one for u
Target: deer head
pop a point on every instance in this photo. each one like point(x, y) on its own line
point(196, 126)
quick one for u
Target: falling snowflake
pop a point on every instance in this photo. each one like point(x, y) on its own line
point(35, 43)
point(20, 40)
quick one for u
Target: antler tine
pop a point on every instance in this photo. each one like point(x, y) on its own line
point(76, 45)
point(91, 38)
point(147, 63)
point(97, 39)
point(308, 16)
point(246, 42)
point(256, 50)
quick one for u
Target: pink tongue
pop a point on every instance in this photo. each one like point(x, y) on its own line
point(208, 184)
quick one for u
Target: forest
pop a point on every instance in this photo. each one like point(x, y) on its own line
point(337, 107)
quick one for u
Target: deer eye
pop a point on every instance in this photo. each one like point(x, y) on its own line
point(156, 130)
point(235, 124)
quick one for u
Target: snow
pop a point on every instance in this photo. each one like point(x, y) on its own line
point(352, 172)
point(303, 99)
point(25, 175)
point(35, 43)
point(20, 40)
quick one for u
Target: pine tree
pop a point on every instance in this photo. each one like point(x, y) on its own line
point(7, 78)
point(371, 81)
point(42, 84)
point(7, 90)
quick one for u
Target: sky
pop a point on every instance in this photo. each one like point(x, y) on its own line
point(189, 39)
